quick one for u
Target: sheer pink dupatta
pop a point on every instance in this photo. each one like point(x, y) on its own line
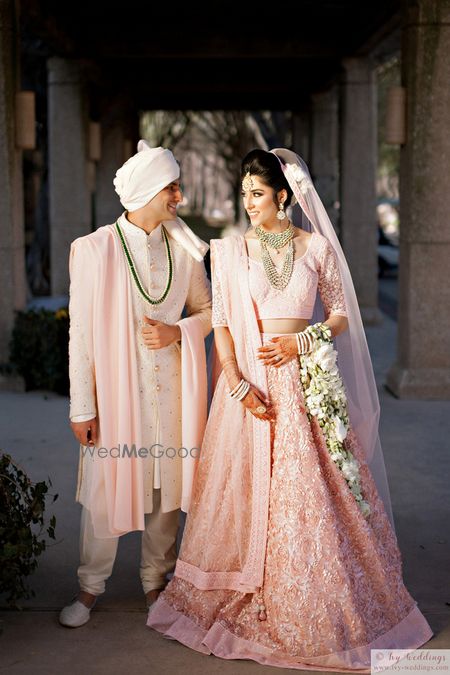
point(225, 535)
point(354, 359)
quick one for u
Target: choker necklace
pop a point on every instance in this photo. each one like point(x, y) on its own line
point(277, 240)
point(134, 274)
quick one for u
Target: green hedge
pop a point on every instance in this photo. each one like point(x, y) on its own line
point(39, 349)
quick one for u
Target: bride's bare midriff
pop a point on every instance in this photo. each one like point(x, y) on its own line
point(282, 325)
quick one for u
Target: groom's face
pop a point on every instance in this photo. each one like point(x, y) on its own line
point(164, 204)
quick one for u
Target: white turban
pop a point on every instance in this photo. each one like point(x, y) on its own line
point(145, 174)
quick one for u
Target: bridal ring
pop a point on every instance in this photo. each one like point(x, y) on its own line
point(261, 409)
point(278, 357)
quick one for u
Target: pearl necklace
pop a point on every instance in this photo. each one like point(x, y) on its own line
point(132, 267)
point(277, 240)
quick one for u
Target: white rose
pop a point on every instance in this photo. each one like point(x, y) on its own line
point(304, 186)
point(365, 508)
point(297, 171)
point(339, 429)
point(300, 177)
point(350, 469)
point(325, 357)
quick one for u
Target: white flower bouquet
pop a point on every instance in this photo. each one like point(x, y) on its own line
point(325, 399)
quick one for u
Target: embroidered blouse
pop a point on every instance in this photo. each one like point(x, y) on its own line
point(316, 270)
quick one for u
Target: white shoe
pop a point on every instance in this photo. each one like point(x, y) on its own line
point(75, 615)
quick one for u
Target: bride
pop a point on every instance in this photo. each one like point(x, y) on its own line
point(289, 555)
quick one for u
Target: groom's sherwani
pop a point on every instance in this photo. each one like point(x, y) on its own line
point(138, 394)
point(159, 371)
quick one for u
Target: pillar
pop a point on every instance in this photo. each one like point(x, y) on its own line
point(422, 369)
point(108, 206)
point(69, 194)
point(358, 162)
point(119, 119)
point(12, 251)
point(301, 134)
point(325, 150)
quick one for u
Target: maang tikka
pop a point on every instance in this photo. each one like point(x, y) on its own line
point(247, 182)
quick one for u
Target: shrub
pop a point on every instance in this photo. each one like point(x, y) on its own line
point(39, 349)
point(22, 506)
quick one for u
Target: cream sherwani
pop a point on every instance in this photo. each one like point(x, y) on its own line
point(159, 379)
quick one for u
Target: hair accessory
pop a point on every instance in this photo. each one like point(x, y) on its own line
point(247, 182)
point(301, 177)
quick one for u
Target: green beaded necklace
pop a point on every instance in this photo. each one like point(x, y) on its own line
point(132, 267)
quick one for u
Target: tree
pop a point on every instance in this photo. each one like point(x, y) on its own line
point(231, 134)
point(165, 128)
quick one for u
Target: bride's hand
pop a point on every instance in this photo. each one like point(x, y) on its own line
point(255, 399)
point(279, 350)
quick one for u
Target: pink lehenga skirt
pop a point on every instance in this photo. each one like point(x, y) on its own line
point(333, 584)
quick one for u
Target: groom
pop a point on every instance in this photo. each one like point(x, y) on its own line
point(137, 375)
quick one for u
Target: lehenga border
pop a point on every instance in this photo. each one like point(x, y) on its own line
point(218, 640)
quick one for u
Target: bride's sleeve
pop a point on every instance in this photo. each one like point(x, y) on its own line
point(330, 282)
point(218, 312)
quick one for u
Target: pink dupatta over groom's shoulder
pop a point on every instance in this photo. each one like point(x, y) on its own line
point(115, 494)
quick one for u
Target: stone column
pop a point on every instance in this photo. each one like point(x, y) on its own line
point(325, 150)
point(358, 222)
point(422, 369)
point(120, 131)
point(12, 255)
point(69, 196)
point(108, 207)
point(301, 134)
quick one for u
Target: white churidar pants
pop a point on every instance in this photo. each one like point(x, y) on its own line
point(158, 550)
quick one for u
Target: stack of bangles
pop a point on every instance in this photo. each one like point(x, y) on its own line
point(305, 343)
point(240, 391)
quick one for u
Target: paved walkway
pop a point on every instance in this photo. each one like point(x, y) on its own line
point(34, 430)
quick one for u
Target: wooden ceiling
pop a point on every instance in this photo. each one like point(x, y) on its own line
point(208, 55)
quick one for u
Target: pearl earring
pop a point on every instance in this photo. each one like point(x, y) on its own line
point(280, 214)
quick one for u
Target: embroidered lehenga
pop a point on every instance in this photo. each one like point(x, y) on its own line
point(271, 513)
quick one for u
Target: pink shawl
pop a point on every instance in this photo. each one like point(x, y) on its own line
point(116, 498)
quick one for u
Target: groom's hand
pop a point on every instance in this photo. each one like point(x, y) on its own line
point(85, 432)
point(157, 334)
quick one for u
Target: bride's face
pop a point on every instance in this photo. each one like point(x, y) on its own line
point(259, 201)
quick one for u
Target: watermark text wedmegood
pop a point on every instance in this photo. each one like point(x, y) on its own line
point(126, 451)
